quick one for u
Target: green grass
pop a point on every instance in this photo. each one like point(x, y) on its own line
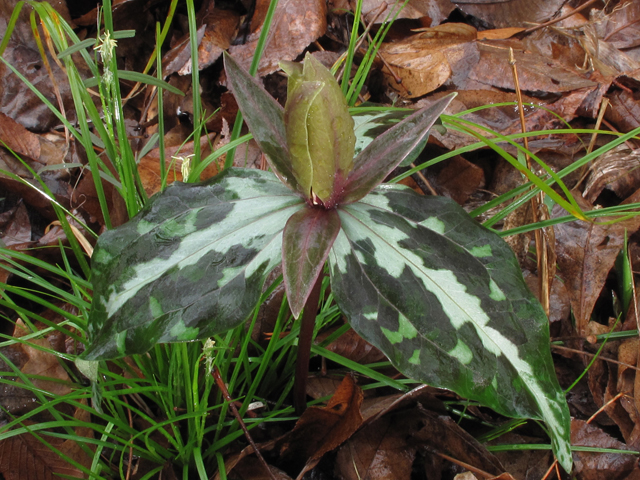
point(163, 406)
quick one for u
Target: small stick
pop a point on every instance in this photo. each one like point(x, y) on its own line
point(541, 244)
point(554, 466)
point(559, 19)
point(426, 182)
point(471, 468)
point(619, 395)
point(588, 354)
point(225, 393)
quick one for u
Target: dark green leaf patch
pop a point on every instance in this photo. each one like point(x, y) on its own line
point(452, 309)
point(177, 272)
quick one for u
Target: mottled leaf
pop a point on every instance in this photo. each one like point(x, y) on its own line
point(387, 151)
point(445, 300)
point(369, 125)
point(307, 239)
point(265, 118)
point(191, 264)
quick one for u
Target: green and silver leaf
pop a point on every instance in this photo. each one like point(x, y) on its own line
point(192, 264)
point(444, 298)
point(369, 125)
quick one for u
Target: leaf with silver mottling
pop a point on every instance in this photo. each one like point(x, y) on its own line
point(191, 264)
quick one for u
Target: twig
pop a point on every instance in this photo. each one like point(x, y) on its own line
point(588, 354)
point(425, 181)
point(554, 466)
point(225, 393)
point(621, 394)
point(562, 17)
point(541, 244)
point(471, 468)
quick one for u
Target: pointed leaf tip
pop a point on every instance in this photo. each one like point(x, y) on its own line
point(265, 118)
point(307, 238)
point(387, 151)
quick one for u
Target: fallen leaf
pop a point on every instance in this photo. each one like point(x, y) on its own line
point(15, 227)
point(221, 28)
point(18, 138)
point(624, 113)
point(174, 158)
point(49, 373)
point(616, 170)
point(296, 24)
point(176, 58)
point(620, 27)
point(535, 72)
point(26, 457)
point(435, 11)
point(379, 451)
point(586, 253)
point(523, 464)
point(457, 178)
point(387, 446)
point(216, 30)
point(320, 430)
point(499, 33)
point(442, 434)
point(596, 466)
point(252, 469)
point(16, 99)
point(425, 61)
point(352, 346)
point(511, 13)
point(604, 57)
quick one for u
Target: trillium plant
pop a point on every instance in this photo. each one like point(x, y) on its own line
point(440, 295)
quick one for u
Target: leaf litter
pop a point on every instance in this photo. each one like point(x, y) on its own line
point(566, 69)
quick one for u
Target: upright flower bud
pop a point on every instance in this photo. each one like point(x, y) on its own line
point(319, 130)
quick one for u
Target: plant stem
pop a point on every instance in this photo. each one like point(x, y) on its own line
point(305, 338)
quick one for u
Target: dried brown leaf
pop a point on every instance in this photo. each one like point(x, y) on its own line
point(352, 346)
point(432, 12)
point(617, 170)
point(41, 363)
point(457, 178)
point(296, 24)
point(596, 466)
point(18, 138)
point(586, 253)
point(535, 72)
point(425, 61)
point(511, 13)
point(604, 57)
point(320, 430)
point(25, 457)
point(379, 451)
point(499, 33)
point(149, 165)
point(442, 434)
point(387, 447)
point(625, 110)
point(15, 226)
point(176, 58)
